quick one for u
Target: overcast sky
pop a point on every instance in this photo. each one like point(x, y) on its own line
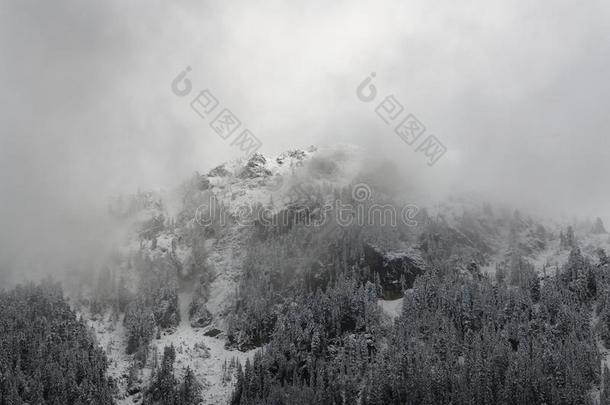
point(516, 90)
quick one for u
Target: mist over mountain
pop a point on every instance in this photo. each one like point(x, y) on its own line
point(515, 92)
point(356, 202)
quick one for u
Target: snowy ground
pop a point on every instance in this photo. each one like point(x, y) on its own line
point(391, 308)
point(110, 335)
point(205, 355)
point(226, 258)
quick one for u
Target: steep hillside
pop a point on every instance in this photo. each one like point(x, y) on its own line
point(216, 267)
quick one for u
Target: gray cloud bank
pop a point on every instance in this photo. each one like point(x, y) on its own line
point(517, 91)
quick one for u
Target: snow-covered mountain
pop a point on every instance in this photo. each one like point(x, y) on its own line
point(189, 251)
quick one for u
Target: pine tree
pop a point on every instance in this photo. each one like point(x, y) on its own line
point(570, 238)
point(605, 393)
point(163, 388)
point(188, 393)
point(239, 386)
point(599, 228)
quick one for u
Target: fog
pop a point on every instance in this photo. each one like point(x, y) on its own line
point(516, 91)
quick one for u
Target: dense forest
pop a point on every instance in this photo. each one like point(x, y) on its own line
point(364, 202)
point(47, 354)
point(306, 308)
point(460, 339)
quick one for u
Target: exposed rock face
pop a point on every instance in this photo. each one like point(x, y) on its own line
point(291, 155)
point(393, 268)
point(255, 167)
point(212, 332)
point(203, 183)
point(199, 314)
point(200, 317)
point(219, 171)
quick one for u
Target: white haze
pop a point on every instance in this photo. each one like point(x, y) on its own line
point(516, 90)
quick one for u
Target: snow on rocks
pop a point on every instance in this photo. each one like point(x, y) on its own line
point(205, 355)
point(391, 308)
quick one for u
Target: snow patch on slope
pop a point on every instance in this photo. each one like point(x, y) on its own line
point(206, 356)
point(393, 308)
